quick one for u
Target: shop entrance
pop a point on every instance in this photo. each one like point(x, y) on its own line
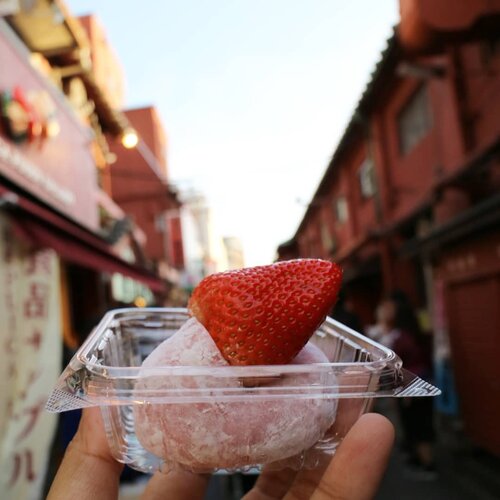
point(474, 315)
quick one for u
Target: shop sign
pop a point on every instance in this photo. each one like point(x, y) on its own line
point(30, 347)
point(44, 148)
point(17, 162)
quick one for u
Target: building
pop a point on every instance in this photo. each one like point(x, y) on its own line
point(138, 183)
point(205, 250)
point(62, 237)
point(410, 198)
point(106, 69)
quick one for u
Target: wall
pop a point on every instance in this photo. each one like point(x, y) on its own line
point(148, 124)
point(106, 68)
point(470, 271)
point(139, 185)
point(480, 71)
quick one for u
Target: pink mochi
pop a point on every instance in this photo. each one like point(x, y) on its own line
point(218, 435)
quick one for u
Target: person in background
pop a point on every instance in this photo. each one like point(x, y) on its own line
point(401, 332)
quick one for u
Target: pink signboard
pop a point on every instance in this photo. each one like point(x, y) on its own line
point(48, 155)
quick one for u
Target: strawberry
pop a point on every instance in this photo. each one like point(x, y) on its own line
point(266, 314)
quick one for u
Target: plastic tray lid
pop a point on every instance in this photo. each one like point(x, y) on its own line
point(100, 373)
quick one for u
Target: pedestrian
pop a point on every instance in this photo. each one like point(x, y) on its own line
point(404, 335)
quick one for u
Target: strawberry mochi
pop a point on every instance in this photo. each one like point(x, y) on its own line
point(221, 434)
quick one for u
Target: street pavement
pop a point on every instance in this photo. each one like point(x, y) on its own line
point(463, 471)
point(460, 476)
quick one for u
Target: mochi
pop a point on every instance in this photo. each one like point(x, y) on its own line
point(226, 434)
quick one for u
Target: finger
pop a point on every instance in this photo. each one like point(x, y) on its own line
point(271, 485)
point(88, 471)
point(307, 479)
point(177, 484)
point(91, 436)
point(359, 464)
point(305, 484)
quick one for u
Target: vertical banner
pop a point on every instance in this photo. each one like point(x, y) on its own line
point(31, 350)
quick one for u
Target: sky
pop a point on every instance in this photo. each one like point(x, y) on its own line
point(254, 96)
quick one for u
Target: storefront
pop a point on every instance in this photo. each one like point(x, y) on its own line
point(56, 262)
point(462, 251)
point(468, 273)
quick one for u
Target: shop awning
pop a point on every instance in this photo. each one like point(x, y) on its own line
point(45, 228)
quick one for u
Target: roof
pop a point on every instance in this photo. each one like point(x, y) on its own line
point(355, 127)
point(66, 43)
point(112, 121)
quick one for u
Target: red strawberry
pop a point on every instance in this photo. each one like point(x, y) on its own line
point(266, 314)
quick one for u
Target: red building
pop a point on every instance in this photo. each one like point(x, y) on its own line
point(135, 175)
point(410, 199)
point(139, 185)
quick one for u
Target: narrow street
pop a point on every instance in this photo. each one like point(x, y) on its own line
point(463, 473)
point(460, 477)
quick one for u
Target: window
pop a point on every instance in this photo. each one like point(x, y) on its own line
point(367, 182)
point(341, 211)
point(414, 120)
point(160, 223)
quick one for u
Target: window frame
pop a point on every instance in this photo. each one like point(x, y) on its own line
point(417, 109)
point(341, 214)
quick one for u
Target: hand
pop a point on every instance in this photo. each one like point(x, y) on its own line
point(89, 472)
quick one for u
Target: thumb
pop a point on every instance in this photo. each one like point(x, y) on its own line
point(88, 471)
point(359, 464)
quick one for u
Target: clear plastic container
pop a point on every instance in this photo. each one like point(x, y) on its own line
point(106, 372)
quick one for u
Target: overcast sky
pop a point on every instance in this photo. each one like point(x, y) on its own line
point(254, 95)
